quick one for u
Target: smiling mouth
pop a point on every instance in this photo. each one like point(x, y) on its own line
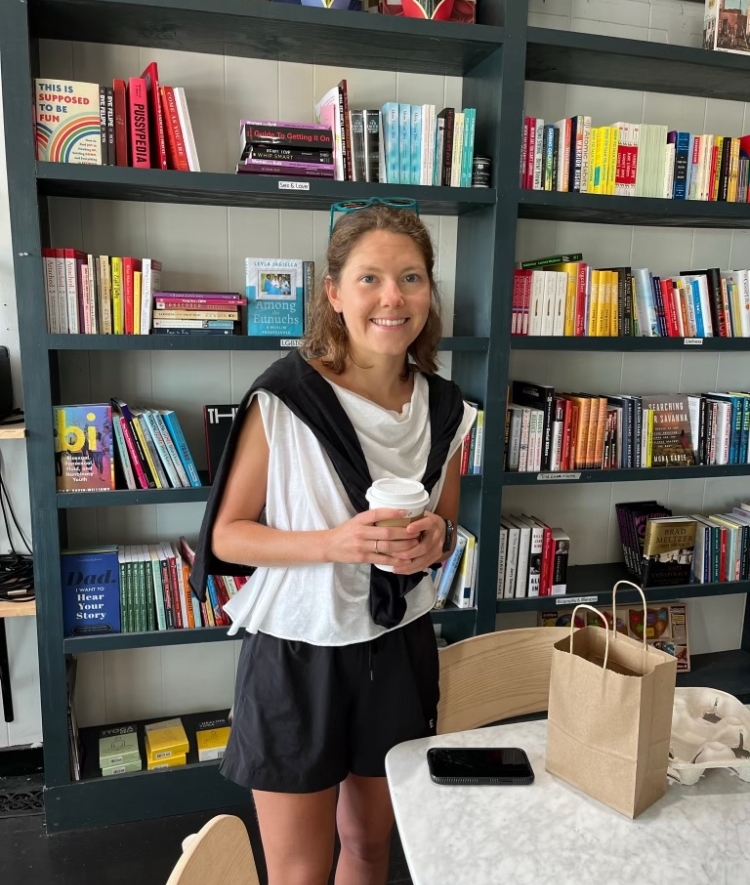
point(401, 321)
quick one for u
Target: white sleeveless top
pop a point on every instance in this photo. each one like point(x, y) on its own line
point(327, 604)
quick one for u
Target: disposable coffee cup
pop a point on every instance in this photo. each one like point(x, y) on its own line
point(398, 494)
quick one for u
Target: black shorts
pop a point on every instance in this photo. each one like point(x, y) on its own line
point(305, 716)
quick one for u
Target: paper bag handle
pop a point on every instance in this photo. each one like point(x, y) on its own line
point(606, 630)
point(614, 610)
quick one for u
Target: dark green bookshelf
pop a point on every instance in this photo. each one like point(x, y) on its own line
point(230, 189)
point(630, 344)
point(214, 342)
point(255, 29)
point(450, 616)
point(139, 497)
point(600, 209)
point(598, 580)
point(631, 474)
point(495, 58)
point(556, 56)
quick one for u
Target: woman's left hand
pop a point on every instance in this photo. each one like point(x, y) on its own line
point(430, 529)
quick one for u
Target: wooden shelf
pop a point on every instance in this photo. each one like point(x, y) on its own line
point(554, 56)
point(597, 581)
point(630, 344)
point(214, 342)
point(17, 609)
point(280, 32)
point(229, 189)
point(598, 209)
point(12, 431)
point(630, 474)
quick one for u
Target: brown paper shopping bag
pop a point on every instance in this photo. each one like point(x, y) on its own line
point(610, 714)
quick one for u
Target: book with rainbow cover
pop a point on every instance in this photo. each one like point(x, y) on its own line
point(67, 122)
point(84, 448)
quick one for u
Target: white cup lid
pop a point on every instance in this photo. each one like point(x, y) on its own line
point(397, 492)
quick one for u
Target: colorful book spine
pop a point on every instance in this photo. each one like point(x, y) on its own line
point(140, 152)
point(404, 143)
point(175, 431)
point(391, 139)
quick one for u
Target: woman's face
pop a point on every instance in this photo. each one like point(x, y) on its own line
point(384, 295)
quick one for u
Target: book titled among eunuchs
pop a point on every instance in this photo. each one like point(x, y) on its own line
point(275, 297)
point(67, 122)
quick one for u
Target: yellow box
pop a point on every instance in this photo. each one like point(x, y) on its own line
point(172, 762)
point(165, 740)
point(212, 743)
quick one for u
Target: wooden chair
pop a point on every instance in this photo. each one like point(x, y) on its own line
point(495, 676)
point(220, 854)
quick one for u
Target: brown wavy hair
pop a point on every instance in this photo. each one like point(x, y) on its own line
point(327, 337)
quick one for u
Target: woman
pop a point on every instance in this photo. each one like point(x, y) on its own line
point(340, 663)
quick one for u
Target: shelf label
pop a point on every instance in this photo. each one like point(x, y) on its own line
point(289, 342)
point(557, 476)
point(294, 185)
point(698, 341)
point(574, 600)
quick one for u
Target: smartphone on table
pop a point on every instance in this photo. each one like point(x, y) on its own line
point(480, 766)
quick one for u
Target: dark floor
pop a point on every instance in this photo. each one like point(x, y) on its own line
point(132, 854)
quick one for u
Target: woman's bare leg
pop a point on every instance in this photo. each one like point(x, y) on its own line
point(365, 822)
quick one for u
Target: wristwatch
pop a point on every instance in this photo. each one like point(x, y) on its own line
point(450, 529)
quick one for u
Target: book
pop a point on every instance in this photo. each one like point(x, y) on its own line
point(175, 431)
point(140, 150)
point(211, 738)
point(186, 128)
point(119, 746)
point(450, 567)
point(165, 740)
point(304, 136)
point(91, 591)
point(84, 448)
point(176, 150)
point(668, 551)
point(217, 421)
point(157, 138)
point(672, 444)
point(120, 122)
point(275, 297)
point(67, 123)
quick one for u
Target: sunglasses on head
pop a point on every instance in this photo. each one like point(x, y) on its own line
point(355, 205)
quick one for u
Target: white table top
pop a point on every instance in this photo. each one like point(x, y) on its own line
point(551, 834)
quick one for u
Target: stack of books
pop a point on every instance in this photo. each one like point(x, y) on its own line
point(560, 295)
point(197, 313)
point(302, 150)
point(151, 449)
point(137, 589)
point(553, 431)
point(99, 294)
point(634, 160)
point(119, 752)
point(167, 744)
point(455, 579)
point(663, 550)
point(398, 143)
point(533, 559)
point(138, 123)
point(472, 448)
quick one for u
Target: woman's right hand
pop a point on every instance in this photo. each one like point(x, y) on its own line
point(357, 539)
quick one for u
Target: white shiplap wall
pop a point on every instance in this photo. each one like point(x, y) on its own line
point(205, 246)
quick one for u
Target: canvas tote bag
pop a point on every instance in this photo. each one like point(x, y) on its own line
point(610, 714)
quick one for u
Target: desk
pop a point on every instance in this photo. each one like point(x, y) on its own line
point(551, 834)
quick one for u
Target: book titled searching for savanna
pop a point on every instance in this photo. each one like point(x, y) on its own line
point(68, 127)
point(84, 453)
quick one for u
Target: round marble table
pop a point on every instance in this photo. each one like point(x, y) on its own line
point(551, 834)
